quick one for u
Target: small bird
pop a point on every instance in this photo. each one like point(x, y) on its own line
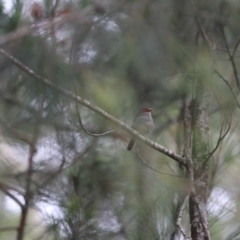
point(143, 123)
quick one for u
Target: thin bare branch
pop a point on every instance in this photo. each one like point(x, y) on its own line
point(154, 169)
point(204, 35)
point(28, 194)
point(220, 139)
point(86, 131)
point(229, 86)
point(3, 188)
point(96, 109)
point(76, 103)
point(231, 57)
point(21, 136)
point(8, 187)
point(179, 217)
point(236, 47)
point(53, 175)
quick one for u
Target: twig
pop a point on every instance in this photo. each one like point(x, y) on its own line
point(220, 139)
point(202, 32)
point(154, 169)
point(179, 217)
point(229, 86)
point(96, 109)
point(16, 133)
point(86, 131)
point(3, 188)
point(76, 103)
point(61, 168)
point(231, 57)
point(235, 47)
point(6, 186)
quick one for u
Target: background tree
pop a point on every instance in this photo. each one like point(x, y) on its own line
point(73, 76)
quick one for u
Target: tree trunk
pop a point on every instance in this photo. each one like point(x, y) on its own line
point(199, 166)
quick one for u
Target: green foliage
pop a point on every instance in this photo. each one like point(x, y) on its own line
point(85, 3)
point(14, 19)
point(135, 55)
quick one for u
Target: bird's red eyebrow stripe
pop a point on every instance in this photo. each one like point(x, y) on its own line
point(146, 110)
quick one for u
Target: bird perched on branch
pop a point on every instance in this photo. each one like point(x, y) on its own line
point(143, 123)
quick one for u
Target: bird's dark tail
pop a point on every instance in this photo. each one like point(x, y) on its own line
point(131, 144)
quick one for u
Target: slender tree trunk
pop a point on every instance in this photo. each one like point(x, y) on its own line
point(199, 138)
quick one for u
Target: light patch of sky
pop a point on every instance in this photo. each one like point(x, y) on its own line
point(7, 5)
point(48, 149)
point(221, 204)
point(110, 25)
point(87, 54)
point(49, 210)
point(14, 156)
point(48, 153)
point(108, 221)
point(11, 205)
point(46, 210)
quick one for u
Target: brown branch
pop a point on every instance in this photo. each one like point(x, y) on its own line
point(28, 193)
point(96, 109)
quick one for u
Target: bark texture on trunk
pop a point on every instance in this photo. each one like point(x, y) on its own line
point(198, 165)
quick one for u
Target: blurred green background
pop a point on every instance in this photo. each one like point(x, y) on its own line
point(121, 56)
